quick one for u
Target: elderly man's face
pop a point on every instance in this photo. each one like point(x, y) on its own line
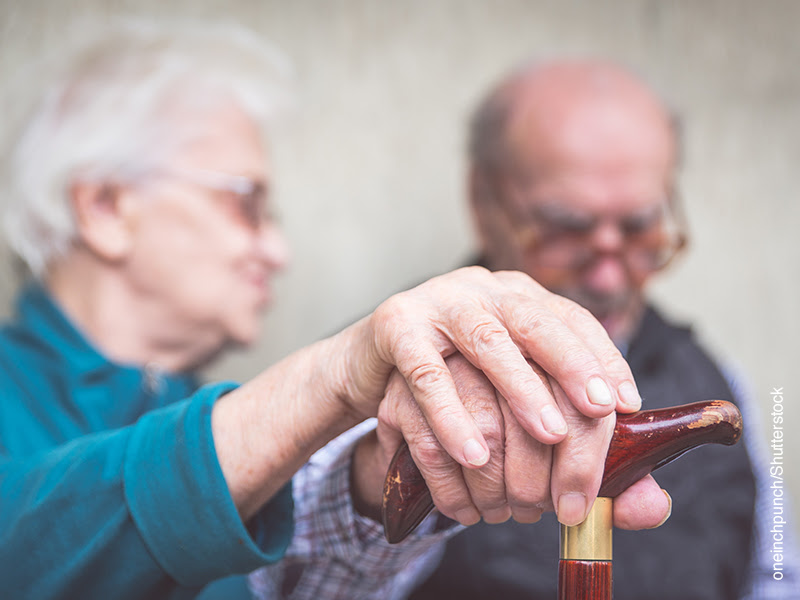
point(206, 248)
point(589, 216)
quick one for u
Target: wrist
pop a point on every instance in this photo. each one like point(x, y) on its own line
point(359, 373)
point(265, 430)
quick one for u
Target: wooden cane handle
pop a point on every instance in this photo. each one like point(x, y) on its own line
point(642, 442)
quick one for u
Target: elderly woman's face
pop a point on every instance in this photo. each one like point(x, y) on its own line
point(206, 248)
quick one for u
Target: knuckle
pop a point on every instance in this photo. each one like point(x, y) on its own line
point(384, 312)
point(516, 278)
point(528, 493)
point(390, 311)
point(581, 475)
point(576, 357)
point(614, 362)
point(488, 489)
point(472, 275)
point(430, 454)
point(529, 488)
point(529, 321)
point(475, 272)
point(487, 336)
point(427, 376)
point(450, 496)
point(573, 311)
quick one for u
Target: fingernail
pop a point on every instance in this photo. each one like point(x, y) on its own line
point(630, 396)
point(467, 516)
point(669, 512)
point(598, 392)
point(571, 508)
point(552, 420)
point(475, 454)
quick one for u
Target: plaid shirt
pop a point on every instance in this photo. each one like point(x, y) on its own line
point(337, 553)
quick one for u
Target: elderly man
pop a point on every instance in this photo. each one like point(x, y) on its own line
point(140, 202)
point(573, 168)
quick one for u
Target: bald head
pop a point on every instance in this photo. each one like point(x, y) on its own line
point(572, 175)
point(569, 105)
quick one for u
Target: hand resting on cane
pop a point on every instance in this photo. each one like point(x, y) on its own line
point(524, 477)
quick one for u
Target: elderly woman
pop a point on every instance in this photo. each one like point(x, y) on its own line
point(140, 202)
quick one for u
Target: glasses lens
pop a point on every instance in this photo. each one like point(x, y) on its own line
point(563, 240)
point(253, 205)
point(247, 197)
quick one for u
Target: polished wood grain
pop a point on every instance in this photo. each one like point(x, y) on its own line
point(584, 580)
point(642, 442)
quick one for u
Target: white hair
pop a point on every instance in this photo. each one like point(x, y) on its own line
point(103, 116)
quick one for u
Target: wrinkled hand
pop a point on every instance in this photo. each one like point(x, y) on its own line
point(502, 324)
point(496, 321)
point(523, 477)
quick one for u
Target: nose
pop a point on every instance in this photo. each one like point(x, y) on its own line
point(607, 237)
point(607, 273)
point(273, 246)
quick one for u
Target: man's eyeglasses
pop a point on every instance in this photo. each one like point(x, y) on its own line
point(248, 197)
point(562, 238)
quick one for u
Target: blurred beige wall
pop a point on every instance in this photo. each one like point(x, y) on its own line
point(370, 168)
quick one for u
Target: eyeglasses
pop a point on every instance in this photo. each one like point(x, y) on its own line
point(249, 197)
point(562, 238)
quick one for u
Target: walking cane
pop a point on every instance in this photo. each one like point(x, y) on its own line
point(642, 442)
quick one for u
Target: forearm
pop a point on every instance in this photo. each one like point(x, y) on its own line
point(268, 428)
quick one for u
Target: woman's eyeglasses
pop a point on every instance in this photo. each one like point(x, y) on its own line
point(249, 197)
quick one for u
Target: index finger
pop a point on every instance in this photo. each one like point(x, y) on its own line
point(572, 347)
point(413, 351)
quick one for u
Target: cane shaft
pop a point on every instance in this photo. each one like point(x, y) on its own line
point(584, 580)
point(584, 569)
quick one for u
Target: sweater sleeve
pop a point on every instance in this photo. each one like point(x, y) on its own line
point(139, 512)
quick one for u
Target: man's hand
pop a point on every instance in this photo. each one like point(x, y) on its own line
point(523, 477)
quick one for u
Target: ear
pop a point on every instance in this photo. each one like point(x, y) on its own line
point(104, 218)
